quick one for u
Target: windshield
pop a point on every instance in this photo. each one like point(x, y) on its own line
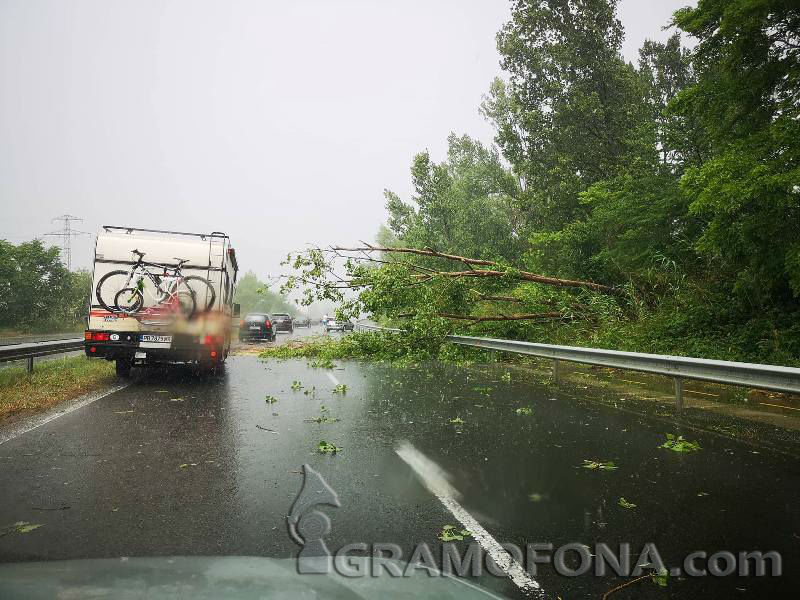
point(503, 294)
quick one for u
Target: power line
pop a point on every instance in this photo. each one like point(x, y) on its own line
point(66, 234)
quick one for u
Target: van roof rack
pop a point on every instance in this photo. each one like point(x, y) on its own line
point(213, 234)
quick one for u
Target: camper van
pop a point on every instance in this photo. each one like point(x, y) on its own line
point(161, 298)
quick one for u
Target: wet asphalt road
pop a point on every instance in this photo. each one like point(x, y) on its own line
point(176, 465)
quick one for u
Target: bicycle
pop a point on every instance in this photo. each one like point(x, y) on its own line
point(173, 291)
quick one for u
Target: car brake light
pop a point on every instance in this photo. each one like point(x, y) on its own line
point(92, 349)
point(267, 323)
point(87, 335)
point(96, 336)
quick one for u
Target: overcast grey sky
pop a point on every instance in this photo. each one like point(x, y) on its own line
point(278, 122)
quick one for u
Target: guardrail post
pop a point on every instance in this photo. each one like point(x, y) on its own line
point(556, 370)
point(30, 364)
point(678, 394)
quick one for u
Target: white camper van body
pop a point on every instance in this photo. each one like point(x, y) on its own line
point(141, 339)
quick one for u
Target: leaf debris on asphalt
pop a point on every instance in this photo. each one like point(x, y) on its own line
point(20, 527)
point(328, 448)
point(596, 465)
point(449, 533)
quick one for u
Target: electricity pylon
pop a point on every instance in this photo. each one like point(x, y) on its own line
point(66, 234)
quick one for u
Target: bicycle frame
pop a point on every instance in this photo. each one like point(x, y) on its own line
point(139, 271)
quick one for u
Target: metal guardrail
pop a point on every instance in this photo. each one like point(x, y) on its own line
point(32, 350)
point(365, 327)
point(37, 337)
point(767, 377)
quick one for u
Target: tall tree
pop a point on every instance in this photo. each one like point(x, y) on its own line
point(747, 99)
point(466, 204)
point(565, 116)
point(254, 296)
point(666, 69)
point(34, 286)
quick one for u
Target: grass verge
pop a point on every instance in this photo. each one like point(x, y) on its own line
point(51, 382)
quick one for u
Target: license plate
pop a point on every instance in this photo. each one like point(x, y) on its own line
point(161, 339)
point(140, 355)
point(256, 328)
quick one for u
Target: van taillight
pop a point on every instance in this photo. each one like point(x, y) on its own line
point(96, 336)
point(267, 323)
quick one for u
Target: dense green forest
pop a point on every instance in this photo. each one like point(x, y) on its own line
point(649, 207)
point(37, 293)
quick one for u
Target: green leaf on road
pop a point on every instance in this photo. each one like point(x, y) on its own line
point(602, 466)
point(340, 389)
point(457, 421)
point(524, 410)
point(449, 533)
point(661, 577)
point(679, 444)
point(270, 399)
point(296, 385)
point(19, 527)
point(625, 504)
point(322, 363)
point(322, 419)
point(328, 448)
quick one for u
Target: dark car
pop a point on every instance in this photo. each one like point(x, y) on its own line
point(257, 326)
point(302, 322)
point(282, 322)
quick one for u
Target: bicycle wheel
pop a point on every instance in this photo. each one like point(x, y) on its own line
point(108, 287)
point(128, 301)
point(202, 290)
point(186, 304)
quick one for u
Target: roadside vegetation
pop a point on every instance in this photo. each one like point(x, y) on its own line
point(651, 207)
point(253, 296)
point(51, 382)
point(37, 293)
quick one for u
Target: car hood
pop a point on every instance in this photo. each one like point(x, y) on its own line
point(237, 578)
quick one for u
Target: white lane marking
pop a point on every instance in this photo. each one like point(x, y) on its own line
point(332, 377)
point(437, 481)
point(60, 410)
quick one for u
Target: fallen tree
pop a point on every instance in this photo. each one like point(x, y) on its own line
point(496, 272)
point(411, 283)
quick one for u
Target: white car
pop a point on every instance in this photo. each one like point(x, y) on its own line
point(334, 325)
